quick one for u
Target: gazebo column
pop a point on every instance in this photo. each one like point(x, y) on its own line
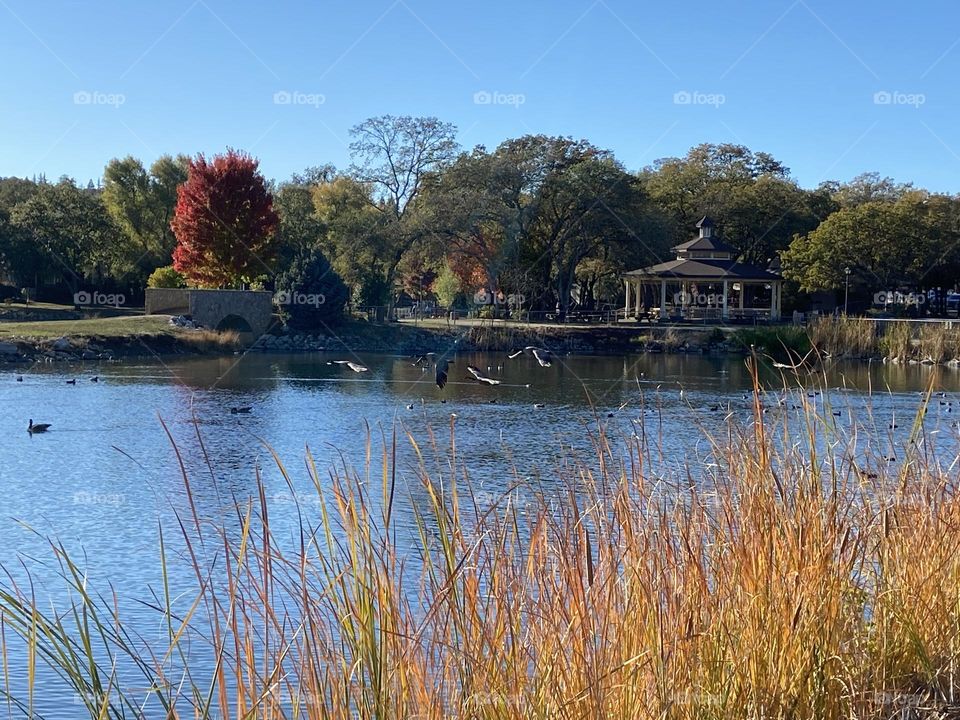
point(663, 299)
point(723, 311)
point(639, 301)
point(743, 291)
point(775, 300)
point(626, 306)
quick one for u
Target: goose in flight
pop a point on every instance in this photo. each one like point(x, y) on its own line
point(38, 428)
point(543, 356)
point(797, 366)
point(479, 376)
point(441, 366)
point(356, 367)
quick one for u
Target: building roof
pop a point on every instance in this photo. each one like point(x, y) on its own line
point(705, 244)
point(704, 269)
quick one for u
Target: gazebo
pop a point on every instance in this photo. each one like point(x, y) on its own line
point(705, 282)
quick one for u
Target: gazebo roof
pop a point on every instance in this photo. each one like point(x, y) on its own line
point(704, 269)
point(705, 244)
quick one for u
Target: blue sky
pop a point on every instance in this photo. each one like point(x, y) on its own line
point(831, 89)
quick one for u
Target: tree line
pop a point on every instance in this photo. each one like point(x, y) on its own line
point(546, 223)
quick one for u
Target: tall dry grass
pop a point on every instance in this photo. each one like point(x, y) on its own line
point(794, 585)
point(845, 336)
point(897, 341)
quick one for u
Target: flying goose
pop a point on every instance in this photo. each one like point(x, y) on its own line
point(543, 356)
point(441, 366)
point(356, 367)
point(796, 366)
point(480, 377)
point(38, 428)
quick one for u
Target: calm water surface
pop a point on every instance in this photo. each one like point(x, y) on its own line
point(106, 475)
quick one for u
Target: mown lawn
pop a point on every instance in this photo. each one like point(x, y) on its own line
point(109, 327)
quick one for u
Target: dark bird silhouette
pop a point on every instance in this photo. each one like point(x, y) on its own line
point(38, 428)
point(72, 382)
point(95, 378)
point(245, 410)
point(543, 356)
point(441, 377)
point(19, 378)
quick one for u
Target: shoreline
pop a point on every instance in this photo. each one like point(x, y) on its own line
point(373, 338)
point(154, 336)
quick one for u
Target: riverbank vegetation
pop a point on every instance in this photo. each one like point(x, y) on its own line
point(895, 341)
point(537, 224)
point(782, 583)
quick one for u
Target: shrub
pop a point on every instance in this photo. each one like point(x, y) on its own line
point(166, 277)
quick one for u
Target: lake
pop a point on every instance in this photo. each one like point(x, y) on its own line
point(106, 475)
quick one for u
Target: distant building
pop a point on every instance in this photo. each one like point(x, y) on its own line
point(704, 282)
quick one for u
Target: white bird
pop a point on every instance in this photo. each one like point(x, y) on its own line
point(356, 367)
point(543, 356)
point(480, 377)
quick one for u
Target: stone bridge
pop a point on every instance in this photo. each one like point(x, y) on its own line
point(246, 311)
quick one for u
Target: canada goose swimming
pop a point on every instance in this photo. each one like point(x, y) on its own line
point(543, 356)
point(38, 428)
point(538, 406)
point(95, 378)
point(356, 367)
point(72, 382)
point(19, 378)
point(480, 377)
point(246, 409)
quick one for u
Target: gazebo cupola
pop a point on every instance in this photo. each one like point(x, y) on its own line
point(707, 245)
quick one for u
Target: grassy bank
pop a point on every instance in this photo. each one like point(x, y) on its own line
point(794, 586)
point(120, 335)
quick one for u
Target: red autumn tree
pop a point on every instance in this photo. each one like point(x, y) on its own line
point(224, 222)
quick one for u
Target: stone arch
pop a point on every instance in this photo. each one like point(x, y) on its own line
point(234, 322)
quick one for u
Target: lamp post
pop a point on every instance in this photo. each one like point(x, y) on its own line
point(846, 289)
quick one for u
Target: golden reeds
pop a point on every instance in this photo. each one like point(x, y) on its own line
point(792, 585)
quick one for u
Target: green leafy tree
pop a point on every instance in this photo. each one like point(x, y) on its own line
point(72, 231)
point(446, 287)
point(141, 203)
point(354, 239)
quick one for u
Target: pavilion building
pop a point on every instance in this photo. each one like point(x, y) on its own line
point(704, 282)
